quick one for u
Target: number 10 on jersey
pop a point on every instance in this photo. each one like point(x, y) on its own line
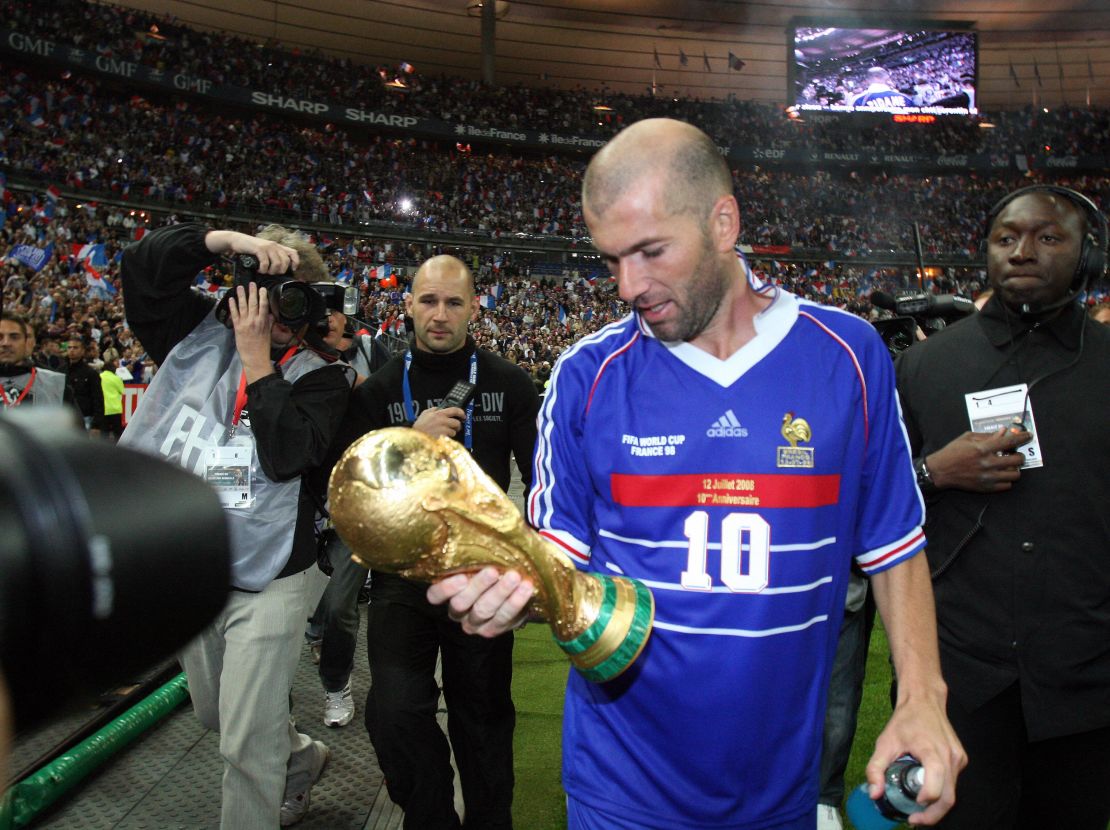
point(738, 575)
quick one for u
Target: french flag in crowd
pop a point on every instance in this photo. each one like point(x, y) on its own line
point(92, 251)
point(487, 301)
point(344, 276)
point(562, 316)
point(496, 290)
point(384, 275)
point(52, 193)
point(96, 282)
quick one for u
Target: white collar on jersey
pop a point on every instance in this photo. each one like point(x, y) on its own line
point(771, 326)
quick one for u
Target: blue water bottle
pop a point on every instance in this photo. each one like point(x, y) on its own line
point(902, 782)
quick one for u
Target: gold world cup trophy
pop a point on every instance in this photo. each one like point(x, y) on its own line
point(421, 507)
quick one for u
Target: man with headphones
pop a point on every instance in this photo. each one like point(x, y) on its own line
point(1007, 418)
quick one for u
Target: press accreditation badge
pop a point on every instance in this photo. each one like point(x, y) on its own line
point(992, 409)
point(228, 470)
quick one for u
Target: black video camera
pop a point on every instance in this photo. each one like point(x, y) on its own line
point(913, 310)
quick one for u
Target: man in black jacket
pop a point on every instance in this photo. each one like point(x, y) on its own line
point(250, 405)
point(85, 382)
point(405, 633)
point(1007, 421)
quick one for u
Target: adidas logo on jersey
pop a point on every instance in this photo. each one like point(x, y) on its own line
point(727, 427)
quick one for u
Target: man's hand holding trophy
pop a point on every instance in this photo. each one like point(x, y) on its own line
point(421, 507)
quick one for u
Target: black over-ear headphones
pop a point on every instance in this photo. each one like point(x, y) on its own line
point(1092, 255)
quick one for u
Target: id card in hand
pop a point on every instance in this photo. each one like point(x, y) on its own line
point(992, 409)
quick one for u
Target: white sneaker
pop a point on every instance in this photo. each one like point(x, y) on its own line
point(339, 707)
point(295, 806)
point(828, 818)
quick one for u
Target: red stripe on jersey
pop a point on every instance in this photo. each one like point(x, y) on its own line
point(605, 365)
point(725, 490)
point(916, 540)
point(538, 484)
point(557, 541)
point(855, 362)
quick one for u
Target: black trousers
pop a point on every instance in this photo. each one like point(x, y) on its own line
point(1011, 782)
point(404, 635)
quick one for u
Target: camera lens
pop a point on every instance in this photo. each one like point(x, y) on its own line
point(295, 303)
point(292, 304)
point(91, 590)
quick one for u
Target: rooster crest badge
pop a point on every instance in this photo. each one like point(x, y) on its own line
point(795, 430)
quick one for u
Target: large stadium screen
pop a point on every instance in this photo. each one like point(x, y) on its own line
point(924, 70)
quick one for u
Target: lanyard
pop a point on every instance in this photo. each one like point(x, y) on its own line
point(8, 402)
point(410, 410)
point(241, 395)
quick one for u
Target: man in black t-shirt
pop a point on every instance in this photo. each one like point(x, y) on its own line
point(405, 633)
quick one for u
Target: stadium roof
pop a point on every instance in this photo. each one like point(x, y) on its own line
point(1030, 51)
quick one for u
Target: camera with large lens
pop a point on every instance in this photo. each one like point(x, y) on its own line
point(292, 302)
point(913, 310)
point(110, 560)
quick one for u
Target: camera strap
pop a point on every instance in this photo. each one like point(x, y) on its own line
point(8, 402)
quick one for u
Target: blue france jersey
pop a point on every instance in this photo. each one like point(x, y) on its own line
point(738, 491)
point(884, 99)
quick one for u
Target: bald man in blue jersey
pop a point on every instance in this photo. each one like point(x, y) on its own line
point(735, 449)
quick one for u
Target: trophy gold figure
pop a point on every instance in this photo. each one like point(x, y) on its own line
point(421, 507)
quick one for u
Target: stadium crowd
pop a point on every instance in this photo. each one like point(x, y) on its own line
point(221, 58)
point(79, 135)
point(530, 312)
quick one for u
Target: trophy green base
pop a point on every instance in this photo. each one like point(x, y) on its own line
point(617, 635)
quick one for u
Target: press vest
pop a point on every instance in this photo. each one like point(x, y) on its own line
point(49, 388)
point(187, 409)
